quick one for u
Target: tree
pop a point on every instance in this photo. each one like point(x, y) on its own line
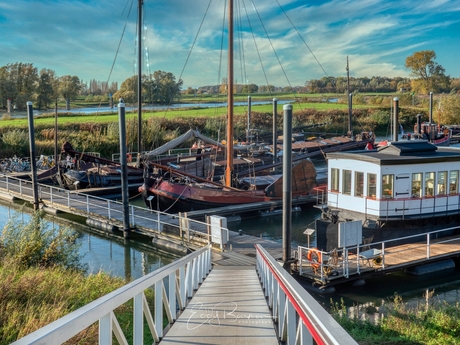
point(250, 88)
point(18, 82)
point(7, 87)
point(164, 88)
point(69, 87)
point(47, 90)
point(128, 90)
point(428, 73)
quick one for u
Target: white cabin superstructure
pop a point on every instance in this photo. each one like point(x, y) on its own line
point(404, 181)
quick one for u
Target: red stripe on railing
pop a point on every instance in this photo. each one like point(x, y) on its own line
point(319, 340)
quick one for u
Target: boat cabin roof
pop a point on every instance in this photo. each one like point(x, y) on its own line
point(402, 152)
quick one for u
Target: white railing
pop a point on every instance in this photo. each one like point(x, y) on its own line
point(112, 211)
point(342, 263)
point(183, 278)
point(300, 319)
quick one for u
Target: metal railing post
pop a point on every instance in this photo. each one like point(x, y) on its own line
point(132, 215)
point(428, 246)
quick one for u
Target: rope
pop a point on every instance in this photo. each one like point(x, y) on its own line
point(177, 199)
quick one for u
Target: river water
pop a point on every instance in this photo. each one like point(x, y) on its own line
point(114, 109)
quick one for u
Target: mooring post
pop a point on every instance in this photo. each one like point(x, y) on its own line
point(350, 114)
point(124, 170)
point(287, 183)
point(33, 163)
point(395, 121)
point(248, 137)
point(275, 129)
point(8, 105)
point(431, 108)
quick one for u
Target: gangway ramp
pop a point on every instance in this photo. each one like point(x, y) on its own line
point(228, 308)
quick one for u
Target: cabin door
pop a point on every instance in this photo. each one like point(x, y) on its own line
point(402, 186)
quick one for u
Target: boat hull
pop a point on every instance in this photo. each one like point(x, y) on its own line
point(176, 197)
point(181, 194)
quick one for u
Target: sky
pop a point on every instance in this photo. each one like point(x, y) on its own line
point(277, 42)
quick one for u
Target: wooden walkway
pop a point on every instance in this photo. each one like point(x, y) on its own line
point(228, 308)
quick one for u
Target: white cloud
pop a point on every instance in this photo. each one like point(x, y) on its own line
point(81, 37)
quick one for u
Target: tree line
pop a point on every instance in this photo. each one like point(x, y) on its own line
point(22, 82)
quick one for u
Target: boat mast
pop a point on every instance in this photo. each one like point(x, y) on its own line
point(229, 169)
point(139, 83)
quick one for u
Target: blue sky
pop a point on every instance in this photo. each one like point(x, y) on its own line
point(81, 37)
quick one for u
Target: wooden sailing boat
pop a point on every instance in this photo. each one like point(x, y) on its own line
point(180, 192)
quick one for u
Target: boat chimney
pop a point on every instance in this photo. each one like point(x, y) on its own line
point(395, 118)
point(431, 108)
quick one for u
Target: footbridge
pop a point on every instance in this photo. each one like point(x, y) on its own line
point(194, 301)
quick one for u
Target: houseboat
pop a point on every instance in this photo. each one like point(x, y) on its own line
point(407, 188)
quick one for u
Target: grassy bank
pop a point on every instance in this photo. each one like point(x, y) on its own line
point(42, 280)
point(431, 323)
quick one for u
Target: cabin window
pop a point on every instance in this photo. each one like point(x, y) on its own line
point(441, 188)
point(335, 179)
point(416, 185)
point(346, 187)
point(429, 184)
point(359, 184)
point(453, 182)
point(388, 186)
point(371, 186)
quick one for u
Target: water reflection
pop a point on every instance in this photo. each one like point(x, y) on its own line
point(271, 227)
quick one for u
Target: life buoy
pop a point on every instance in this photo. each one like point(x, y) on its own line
point(314, 256)
point(129, 158)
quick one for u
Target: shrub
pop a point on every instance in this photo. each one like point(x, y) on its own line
point(17, 140)
point(34, 244)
